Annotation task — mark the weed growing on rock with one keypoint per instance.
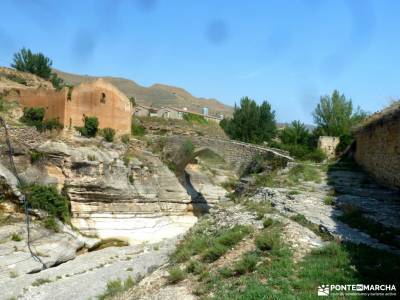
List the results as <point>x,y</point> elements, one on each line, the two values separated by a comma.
<point>329,200</point>
<point>302,220</point>
<point>175,275</point>
<point>116,287</point>
<point>304,172</point>
<point>16,237</point>
<point>40,281</point>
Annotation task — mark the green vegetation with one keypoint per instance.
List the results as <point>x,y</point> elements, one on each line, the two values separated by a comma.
<point>36,63</point>
<point>329,200</point>
<point>36,156</point>
<point>91,157</point>
<point>209,247</point>
<point>261,208</point>
<point>110,242</point>
<point>192,118</point>
<point>296,139</point>
<point>51,223</point>
<point>304,172</point>
<point>324,235</point>
<point>40,281</point>
<point>49,199</point>
<point>138,130</point>
<point>34,116</point>
<point>334,116</point>
<point>268,222</point>
<point>125,139</point>
<point>250,122</point>
<point>116,287</point>
<point>354,217</point>
<point>16,237</point>
<point>90,128</point>
<point>175,275</point>
<point>17,79</point>
<point>187,148</point>
<point>131,179</point>
<point>108,134</point>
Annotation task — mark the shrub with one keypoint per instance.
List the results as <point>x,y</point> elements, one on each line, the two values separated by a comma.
<point>108,134</point>
<point>36,156</point>
<point>187,148</point>
<point>51,223</point>
<point>246,264</point>
<point>16,237</point>
<point>267,240</point>
<point>125,138</point>
<point>214,252</point>
<point>17,79</point>
<point>115,287</point>
<point>268,222</point>
<point>329,200</point>
<point>33,116</point>
<point>48,199</point>
<point>138,130</point>
<point>90,128</point>
<point>91,157</point>
<point>316,155</point>
<point>175,275</point>
<point>51,124</point>
<point>192,118</point>
<point>131,179</point>
<point>195,267</point>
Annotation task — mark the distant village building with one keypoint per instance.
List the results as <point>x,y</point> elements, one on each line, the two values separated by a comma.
<point>169,112</point>
<point>328,145</point>
<point>145,111</point>
<point>377,147</point>
<point>98,99</point>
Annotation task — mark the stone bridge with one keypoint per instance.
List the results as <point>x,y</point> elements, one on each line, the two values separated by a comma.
<point>238,154</point>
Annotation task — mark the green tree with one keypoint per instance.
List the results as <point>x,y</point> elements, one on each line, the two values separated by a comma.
<point>35,63</point>
<point>250,122</point>
<point>334,115</point>
<point>296,134</point>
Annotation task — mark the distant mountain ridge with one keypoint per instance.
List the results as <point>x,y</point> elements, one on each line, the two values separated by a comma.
<point>157,95</point>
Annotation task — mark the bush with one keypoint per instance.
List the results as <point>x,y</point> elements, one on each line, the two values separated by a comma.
<point>267,222</point>
<point>16,237</point>
<point>188,148</point>
<point>246,264</point>
<point>175,275</point>
<point>195,267</point>
<point>116,287</point>
<point>90,128</point>
<point>192,118</point>
<point>33,116</point>
<point>267,240</point>
<point>48,199</point>
<point>304,172</point>
<point>17,79</point>
<point>51,223</point>
<point>108,134</point>
<point>125,138</point>
<point>50,125</point>
<point>36,156</point>
<point>316,155</point>
<point>214,252</point>
<point>138,130</point>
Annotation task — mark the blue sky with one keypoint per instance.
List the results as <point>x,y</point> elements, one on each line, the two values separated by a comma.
<point>288,52</point>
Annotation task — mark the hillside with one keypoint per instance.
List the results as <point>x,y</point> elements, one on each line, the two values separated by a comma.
<point>157,95</point>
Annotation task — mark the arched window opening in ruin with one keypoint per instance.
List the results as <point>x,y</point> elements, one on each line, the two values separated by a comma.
<point>103,98</point>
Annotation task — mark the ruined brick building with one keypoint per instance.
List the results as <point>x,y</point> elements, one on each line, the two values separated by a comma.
<point>98,99</point>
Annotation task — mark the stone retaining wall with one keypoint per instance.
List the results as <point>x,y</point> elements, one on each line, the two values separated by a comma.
<point>378,148</point>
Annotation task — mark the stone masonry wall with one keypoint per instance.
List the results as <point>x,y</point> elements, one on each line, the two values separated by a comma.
<point>237,154</point>
<point>378,151</point>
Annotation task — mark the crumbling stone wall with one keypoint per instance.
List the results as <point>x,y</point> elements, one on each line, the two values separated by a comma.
<point>328,145</point>
<point>378,149</point>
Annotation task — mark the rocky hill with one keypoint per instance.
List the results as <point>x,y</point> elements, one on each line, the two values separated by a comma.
<point>157,95</point>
